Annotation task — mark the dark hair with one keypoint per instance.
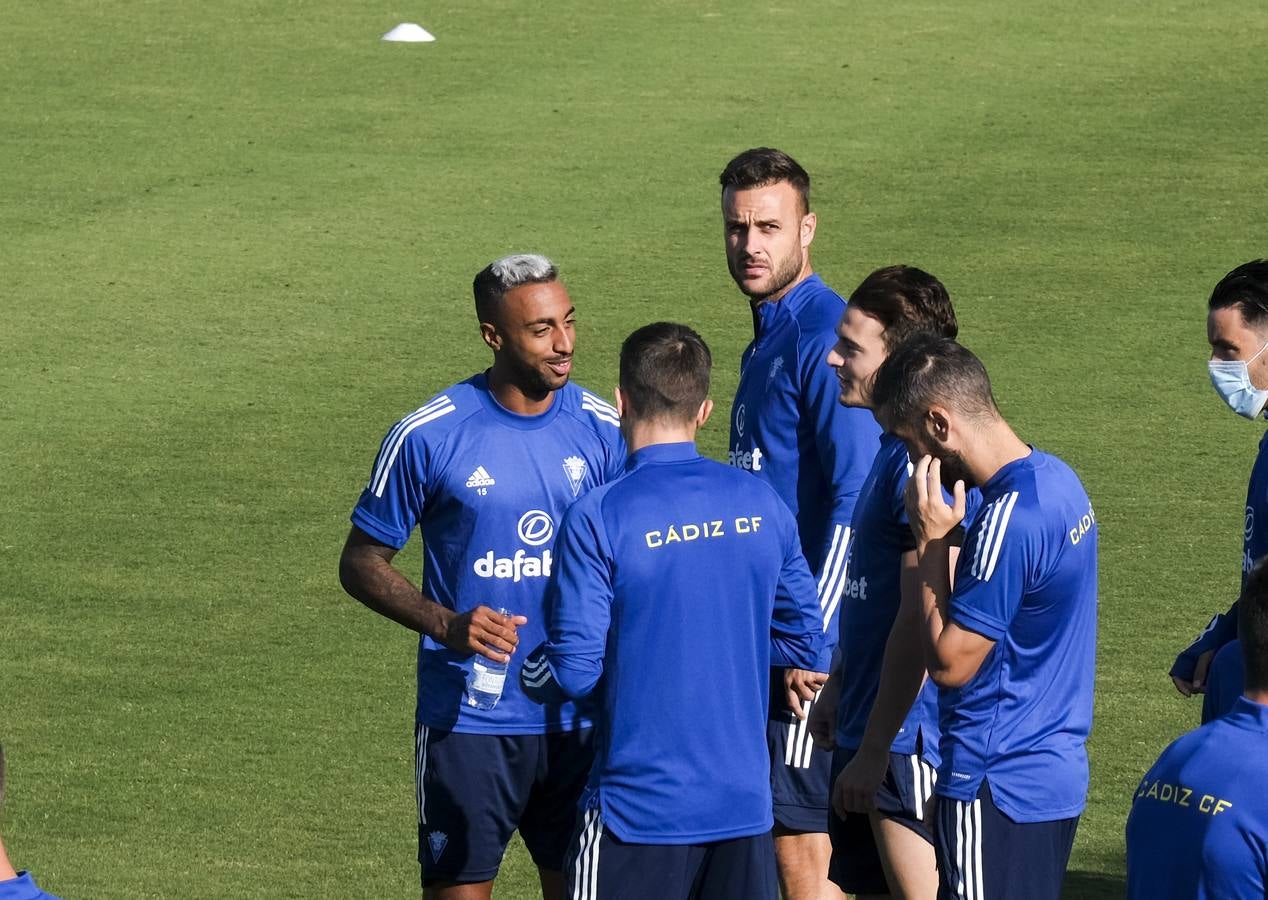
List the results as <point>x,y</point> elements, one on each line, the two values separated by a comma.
<point>905,300</point>
<point>1252,625</point>
<point>927,370</point>
<point>665,371</point>
<point>1246,287</point>
<point>499,277</point>
<point>762,166</point>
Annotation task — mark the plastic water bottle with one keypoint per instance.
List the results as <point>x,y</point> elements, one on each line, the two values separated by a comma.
<point>484,687</point>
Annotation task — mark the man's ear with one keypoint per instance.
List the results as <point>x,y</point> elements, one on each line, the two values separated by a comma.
<point>489,332</point>
<point>939,425</point>
<point>702,414</point>
<point>808,223</point>
<point>620,402</point>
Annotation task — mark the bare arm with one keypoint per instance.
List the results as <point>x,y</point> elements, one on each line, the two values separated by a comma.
<point>952,654</point>
<point>902,667</point>
<point>367,574</point>
<point>901,678</point>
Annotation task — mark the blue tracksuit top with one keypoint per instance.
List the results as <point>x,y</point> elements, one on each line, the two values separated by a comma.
<point>789,428</point>
<point>1223,626</point>
<point>676,587</point>
<point>1198,827</point>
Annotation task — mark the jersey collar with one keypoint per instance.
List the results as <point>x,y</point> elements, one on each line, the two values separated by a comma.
<point>788,304</point>
<point>1005,472</point>
<point>20,888</point>
<point>515,420</point>
<point>662,453</point>
<point>1248,714</point>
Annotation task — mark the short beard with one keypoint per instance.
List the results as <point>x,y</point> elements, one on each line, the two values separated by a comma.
<point>782,275</point>
<point>953,470</point>
<point>531,381</point>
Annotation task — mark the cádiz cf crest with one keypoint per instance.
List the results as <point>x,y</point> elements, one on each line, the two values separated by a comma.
<point>575,469</point>
<point>775,368</point>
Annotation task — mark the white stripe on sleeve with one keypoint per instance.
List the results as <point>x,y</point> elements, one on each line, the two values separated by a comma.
<point>387,456</point>
<point>999,540</point>
<point>837,587</point>
<point>837,547</point>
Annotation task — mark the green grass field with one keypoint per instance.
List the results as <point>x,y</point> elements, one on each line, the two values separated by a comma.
<point>236,243</point>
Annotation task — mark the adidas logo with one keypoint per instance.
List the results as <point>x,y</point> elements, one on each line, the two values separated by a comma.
<point>480,478</point>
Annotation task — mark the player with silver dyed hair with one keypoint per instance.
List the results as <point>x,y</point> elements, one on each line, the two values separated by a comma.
<point>499,277</point>
<point>485,470</point>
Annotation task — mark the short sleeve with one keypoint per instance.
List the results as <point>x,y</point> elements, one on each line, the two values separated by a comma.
<point>991,574</point>
<point>392,502</point>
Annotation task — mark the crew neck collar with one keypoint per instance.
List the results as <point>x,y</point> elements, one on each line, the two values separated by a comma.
<point>514,419</point>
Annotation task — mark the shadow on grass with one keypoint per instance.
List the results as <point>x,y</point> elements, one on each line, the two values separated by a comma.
<point>1093,886</point>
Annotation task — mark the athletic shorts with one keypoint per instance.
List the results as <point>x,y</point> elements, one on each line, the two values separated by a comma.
<point>905,796</point>
<point>984,855</point>
<point>800,778</point>
<point>474,790</point>
<point>601,866</point>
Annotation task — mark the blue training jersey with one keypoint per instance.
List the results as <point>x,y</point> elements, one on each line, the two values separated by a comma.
<point>487,489</point>
<point>789,428</point>
<point>678,585</point>
<point>881,535</point>
<point>1198,827</point>
<point>1026,579</point>
<point>22,888</point>
<point>1223,626</point>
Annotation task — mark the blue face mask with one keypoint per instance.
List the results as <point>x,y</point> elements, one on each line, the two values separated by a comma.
<point>1232,382</point>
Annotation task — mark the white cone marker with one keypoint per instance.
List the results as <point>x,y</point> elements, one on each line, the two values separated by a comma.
<point>410,33</point>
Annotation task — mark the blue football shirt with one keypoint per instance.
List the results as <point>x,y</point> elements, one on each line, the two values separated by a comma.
<point>22,888</point>
<point>677,586</point>
<point>788,428</point>
<point>487,489</point>
<point>1223,626</point>
<point>870,599</point>
<point>1026,579</point>
<point>1198,826</point>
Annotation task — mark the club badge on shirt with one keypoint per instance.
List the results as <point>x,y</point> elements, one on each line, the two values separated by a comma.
<point>575,469</point>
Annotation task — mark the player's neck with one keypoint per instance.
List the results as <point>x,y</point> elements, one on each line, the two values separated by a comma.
<point>515,398</point>
<point>1260,697</point>
<point>644,434</point>
<point>6,869</point>
<point>996,447</point>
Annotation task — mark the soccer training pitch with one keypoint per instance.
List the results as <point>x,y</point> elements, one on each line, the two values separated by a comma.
<point>236,243</point>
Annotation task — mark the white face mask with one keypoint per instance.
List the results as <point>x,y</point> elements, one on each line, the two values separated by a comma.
<point>1232,382</point>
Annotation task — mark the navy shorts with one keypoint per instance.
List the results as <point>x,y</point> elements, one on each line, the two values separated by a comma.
<point>474,790</point>
<point>800,773</point>
<point>984,855</point>
<point>905,796</point>
<point>601,866</point>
